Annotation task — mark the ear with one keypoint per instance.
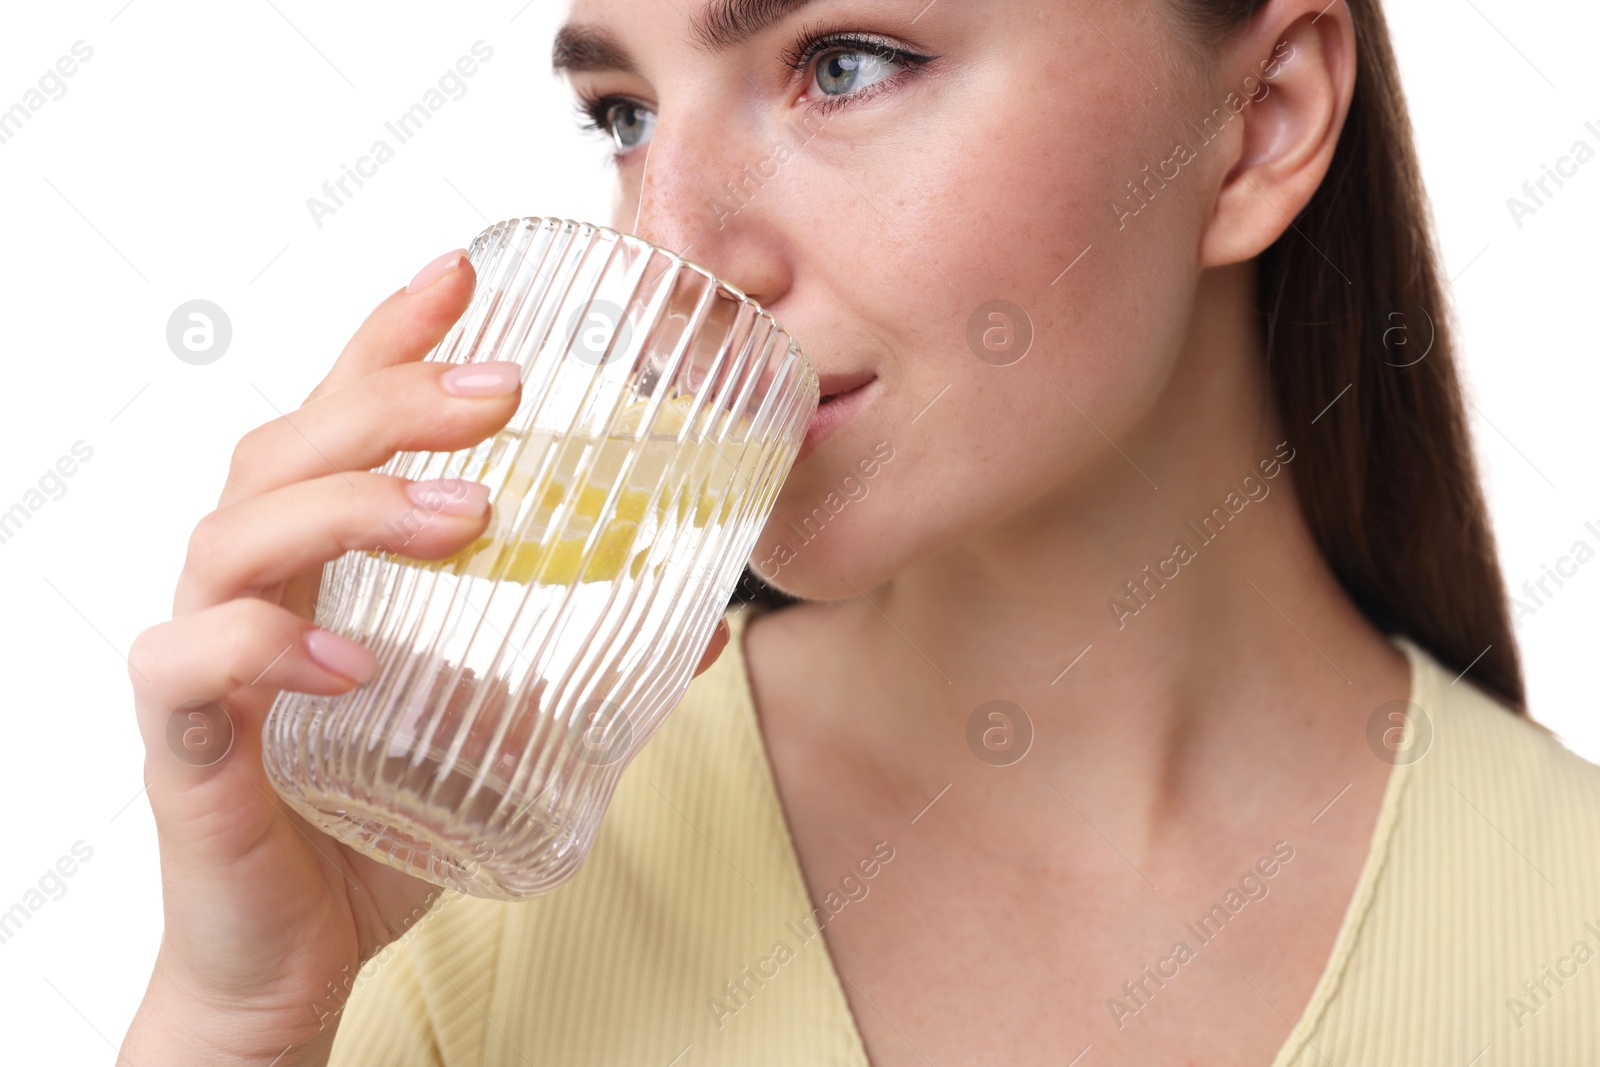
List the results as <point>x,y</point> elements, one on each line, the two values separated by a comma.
<point>1296,64</point>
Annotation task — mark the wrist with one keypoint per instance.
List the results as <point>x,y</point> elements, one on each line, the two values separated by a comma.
<point>175,1024</point>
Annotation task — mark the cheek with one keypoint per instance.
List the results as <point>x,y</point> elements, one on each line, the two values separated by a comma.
<point>625,198</point>
<point>996,207</point>
<point>993,217</point>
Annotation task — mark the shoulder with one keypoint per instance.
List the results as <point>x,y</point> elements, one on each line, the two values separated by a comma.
<point>1494,761</point>
<point>1482,924</point>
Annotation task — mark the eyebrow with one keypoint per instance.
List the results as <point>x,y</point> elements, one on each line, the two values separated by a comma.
<point>583,48</point>
<point>721,26</point>
<point>726,23</point>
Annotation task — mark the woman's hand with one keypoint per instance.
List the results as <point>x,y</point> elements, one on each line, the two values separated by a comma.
<point>268,919</point>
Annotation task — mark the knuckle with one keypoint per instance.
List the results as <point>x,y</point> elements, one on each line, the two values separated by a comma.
<point>349,509</point>
<point>247,451</point>
<point>384,398</point>
<point>143,654</point>
<point>243,629</point>
<point>203,547</point>
<point>238,631</point>
<point>375,409</point>
<point>385,510</point>
<point>410,409</point>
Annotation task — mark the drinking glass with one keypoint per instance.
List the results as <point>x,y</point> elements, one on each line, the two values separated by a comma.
<point>661,411</point>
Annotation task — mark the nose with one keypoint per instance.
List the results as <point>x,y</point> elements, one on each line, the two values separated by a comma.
<point>696,199</point>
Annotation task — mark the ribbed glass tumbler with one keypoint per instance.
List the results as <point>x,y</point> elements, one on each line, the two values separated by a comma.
<point>661,411</point>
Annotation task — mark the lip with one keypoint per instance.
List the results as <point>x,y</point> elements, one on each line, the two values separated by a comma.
<point>835,384</point>
<point>843,395</point>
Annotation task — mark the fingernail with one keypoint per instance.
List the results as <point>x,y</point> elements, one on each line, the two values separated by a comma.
<point>436,270</point>
<point>341,655</point>
<point>450,496</point>
<point>482,379</point>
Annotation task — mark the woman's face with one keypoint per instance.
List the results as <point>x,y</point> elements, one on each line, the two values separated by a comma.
<point>882,175</point>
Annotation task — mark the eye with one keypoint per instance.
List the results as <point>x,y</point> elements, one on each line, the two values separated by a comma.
<point>844,71</point>
<point>630,124</point>
<point>847,69</point>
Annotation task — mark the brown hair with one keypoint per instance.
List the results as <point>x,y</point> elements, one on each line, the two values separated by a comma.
<point>1388,482</point>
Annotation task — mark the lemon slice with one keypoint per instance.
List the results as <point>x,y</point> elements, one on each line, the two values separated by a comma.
<point>519,547</point>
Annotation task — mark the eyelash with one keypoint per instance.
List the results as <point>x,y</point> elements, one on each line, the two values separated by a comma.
<point>592,112</point>
<point>809,44</point>
<point>814,41</point>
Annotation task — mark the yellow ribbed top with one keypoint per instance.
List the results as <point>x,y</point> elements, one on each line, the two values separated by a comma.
<point>1472,937</point>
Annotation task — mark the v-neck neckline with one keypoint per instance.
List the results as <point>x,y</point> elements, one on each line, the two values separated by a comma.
<point>1422,694</point>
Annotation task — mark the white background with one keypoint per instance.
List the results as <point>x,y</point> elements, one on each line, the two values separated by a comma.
<point>177,166</point>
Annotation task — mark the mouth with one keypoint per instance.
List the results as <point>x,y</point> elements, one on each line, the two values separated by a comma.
<point>833,386</point>
<point>842,396</point>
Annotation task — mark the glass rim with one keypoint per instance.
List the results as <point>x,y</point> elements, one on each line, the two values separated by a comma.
<point>633,240</point>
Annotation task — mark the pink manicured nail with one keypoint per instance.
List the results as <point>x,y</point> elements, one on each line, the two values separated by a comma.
<point>436,270</point>
<point>450,496</point>
<point>482,379</point>
<point>340,655</point>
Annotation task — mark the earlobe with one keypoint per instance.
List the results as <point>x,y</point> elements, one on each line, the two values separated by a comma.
<point>1302,85</point>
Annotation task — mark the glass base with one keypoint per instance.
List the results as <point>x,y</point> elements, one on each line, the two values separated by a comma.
<point>417,842</point>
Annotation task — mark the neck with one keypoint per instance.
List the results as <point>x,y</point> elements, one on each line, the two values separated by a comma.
<point>1169,606</point>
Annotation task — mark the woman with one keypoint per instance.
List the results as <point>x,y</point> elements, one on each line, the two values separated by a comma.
<point>1127,677</point>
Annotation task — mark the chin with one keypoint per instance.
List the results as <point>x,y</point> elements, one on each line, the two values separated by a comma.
<point>807,586</point>
<point>820,536</point>
<point>810,561</point>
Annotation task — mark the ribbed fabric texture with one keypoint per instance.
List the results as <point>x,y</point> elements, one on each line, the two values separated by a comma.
<point>693,883</point>
<point>1483,874</point>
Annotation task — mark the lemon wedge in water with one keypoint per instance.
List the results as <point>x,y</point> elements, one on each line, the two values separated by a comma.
<point>520,548</point>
